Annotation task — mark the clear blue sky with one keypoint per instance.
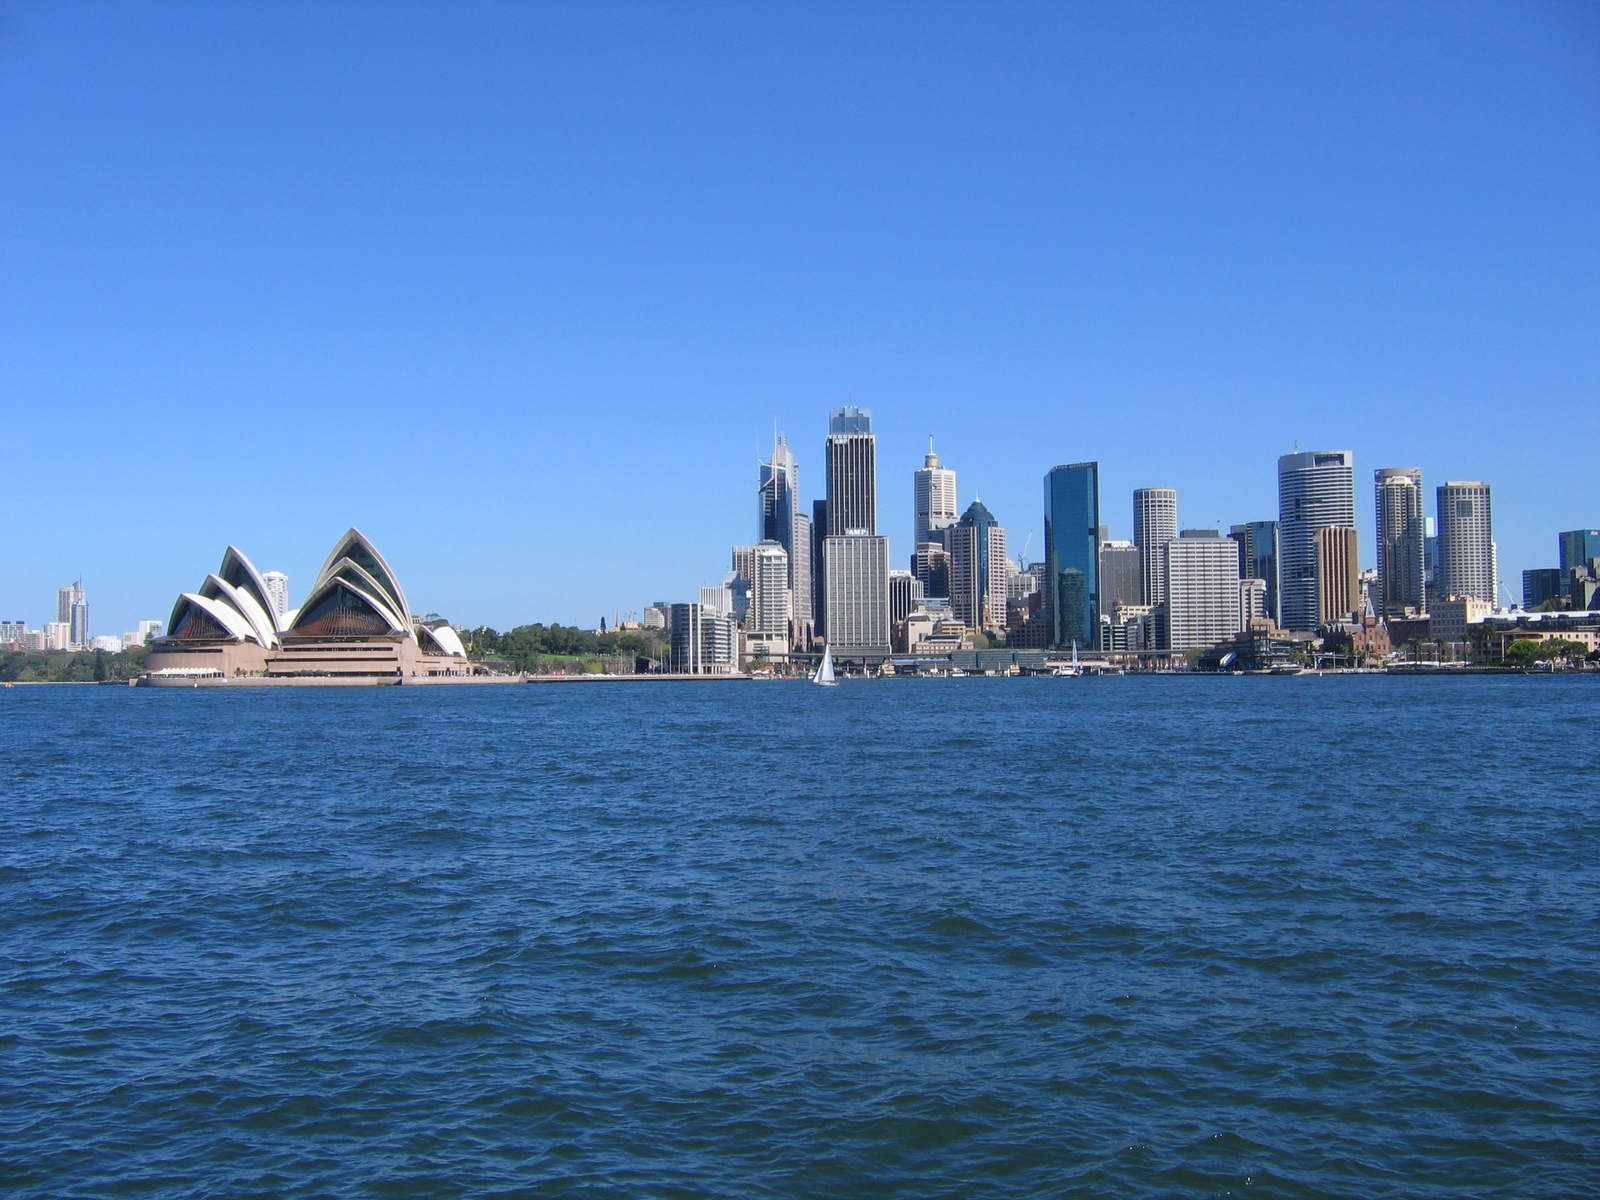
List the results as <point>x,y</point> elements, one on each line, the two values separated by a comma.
<point>520,290</point>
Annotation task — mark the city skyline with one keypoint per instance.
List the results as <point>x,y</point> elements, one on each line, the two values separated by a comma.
<point>552,273</point>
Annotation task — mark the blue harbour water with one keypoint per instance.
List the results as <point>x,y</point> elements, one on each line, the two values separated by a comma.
<point>966,938</point>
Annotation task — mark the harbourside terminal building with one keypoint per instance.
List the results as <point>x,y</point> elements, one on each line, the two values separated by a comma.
<point>354,625</point>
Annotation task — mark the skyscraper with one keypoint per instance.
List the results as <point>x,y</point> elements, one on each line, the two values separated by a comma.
<point>933,500</point>
<point>779,519</point>
<point>978,569</point>
<point>1402,534</point>
<point>1155,523</point>
<point>855,560</point>
<point>1201,589</point>
<point>819,594</point>
<point>1316,490</point>
<point>1072,554</point>
<point>1466,541</point>
<point>1258,559</point>
<point>856,571</point>
<point>277,585</point>
<point>931,565</point>
<point>1338,573</point>
<point>72,610</point>
<point>852,455</point>
<point>1578,546</point>
<point>1119,576</point>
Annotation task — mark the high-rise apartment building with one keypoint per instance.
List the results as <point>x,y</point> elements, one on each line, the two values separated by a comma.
<point>1466,541</point>
<point>1316,490</point>
<point>1338,574</point>
<point>1258,559</point>
<point>856,571</point>
<point>933,499</point>
<point>852,456</point>
<point>1201,586</point>
<point>1072,555</point>
<point>703,642</point>
<point>72,610</point>
<point>978,569</point>
<point>1155,523</point>
<point>13,631</point>
<point>769,589</point>
<point>277,585</point>
<point>1402,536</point>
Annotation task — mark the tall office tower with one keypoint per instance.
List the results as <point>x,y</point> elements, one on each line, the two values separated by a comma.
<point>1258,559</point>
<point>1315,490</point>
<point>931,565</point>
<point>1466,541</point>
<point>65,598</point>
<point>978,569</point>
<point>1201,589</point>
<point>934,499</point>
<point>852,473</point>
<point>779,519</point>
<point>1155,523</point>
<point>1119,576</point>
<point>819,593</point>
<point>1338,574</point>
<point>1402,542</point>
<point>856,571</point>
<point>1252,601</point>
<point>905,595</point>
<point>800,574</point>
<point>1539,586</point>
<point>277,585</point>
<point>1578,546</point>
<point>1072,554</point>
<point>717,600</point>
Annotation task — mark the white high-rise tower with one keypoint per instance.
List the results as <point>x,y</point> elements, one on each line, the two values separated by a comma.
<point>934,501</point>
<point>1316,490</point>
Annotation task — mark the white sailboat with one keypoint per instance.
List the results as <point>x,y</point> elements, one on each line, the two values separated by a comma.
<point>824,676</point>
<point>1074,671</point>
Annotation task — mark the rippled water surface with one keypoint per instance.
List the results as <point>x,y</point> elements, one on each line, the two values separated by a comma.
<point>987,938</point>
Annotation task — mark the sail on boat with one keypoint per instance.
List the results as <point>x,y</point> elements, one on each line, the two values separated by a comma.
<point>824,676</point>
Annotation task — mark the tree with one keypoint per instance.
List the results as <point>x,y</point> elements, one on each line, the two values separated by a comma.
<point>99,666</point>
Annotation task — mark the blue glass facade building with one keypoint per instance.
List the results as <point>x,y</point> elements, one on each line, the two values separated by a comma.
<point>1072,554</point>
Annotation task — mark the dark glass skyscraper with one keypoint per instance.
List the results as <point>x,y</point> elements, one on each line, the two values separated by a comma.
<point>1072,554</point>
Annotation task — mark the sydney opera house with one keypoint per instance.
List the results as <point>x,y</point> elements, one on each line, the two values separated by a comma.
<point>354,626</point>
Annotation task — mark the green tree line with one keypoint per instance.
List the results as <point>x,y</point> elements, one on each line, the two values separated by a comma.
<point>525,645</point>
<point>71,666</point>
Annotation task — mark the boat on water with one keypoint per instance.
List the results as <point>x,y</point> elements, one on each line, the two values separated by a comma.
<point>1074,670</point>
<point>824,676</point>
